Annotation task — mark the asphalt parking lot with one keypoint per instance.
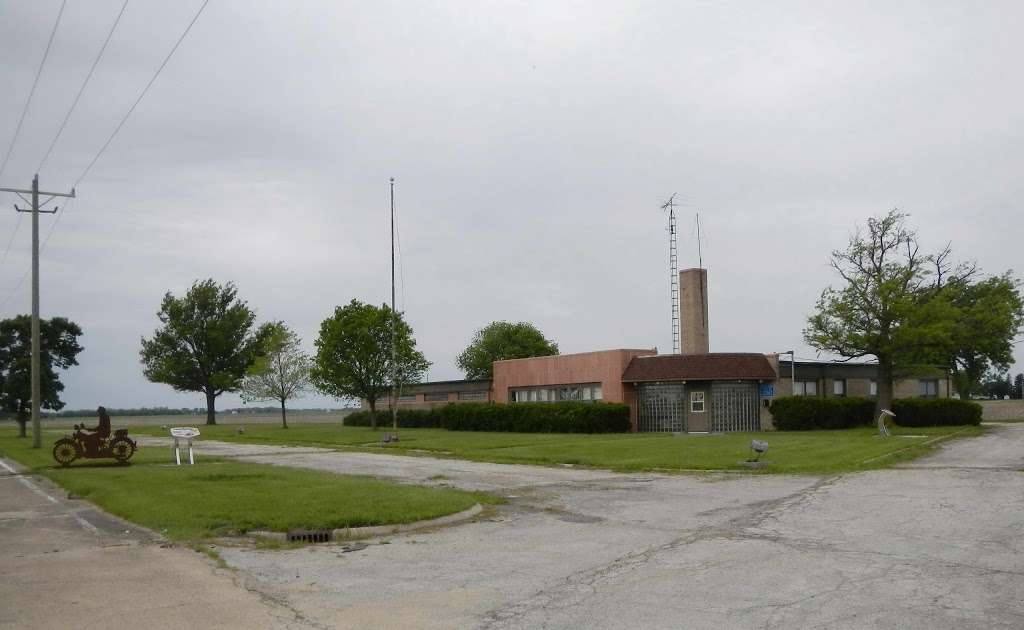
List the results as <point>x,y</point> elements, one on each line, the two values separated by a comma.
<point>934,544</point>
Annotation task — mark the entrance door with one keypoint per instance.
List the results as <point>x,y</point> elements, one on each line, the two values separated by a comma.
<point>698,408</point>
<point>734,407</point>
<point>660,407</point>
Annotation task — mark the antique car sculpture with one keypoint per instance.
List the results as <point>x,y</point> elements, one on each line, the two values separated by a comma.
<point>94,443</point>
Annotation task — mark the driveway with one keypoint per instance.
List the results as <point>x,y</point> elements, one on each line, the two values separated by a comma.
<point>934,544</point>
<point>65,564</point>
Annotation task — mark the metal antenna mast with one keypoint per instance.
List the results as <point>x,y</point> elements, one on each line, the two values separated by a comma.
<point>394,319</point>
<point>35,207</point>
<point>673,264</point>
<point>700,257</point>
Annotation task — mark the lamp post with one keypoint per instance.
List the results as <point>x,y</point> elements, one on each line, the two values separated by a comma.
<point>792,370</point>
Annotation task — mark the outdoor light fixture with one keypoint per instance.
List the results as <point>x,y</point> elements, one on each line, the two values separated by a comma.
<point>792,369</point>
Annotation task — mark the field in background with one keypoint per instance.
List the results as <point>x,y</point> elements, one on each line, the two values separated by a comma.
<point>1002,410</point>
<point>241,418</point>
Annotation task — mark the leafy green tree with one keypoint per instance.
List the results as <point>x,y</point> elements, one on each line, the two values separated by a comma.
<point>282,374</point>
<point>991,313</point>
<point>206,343</point>
<point>892,304</point>
<point>503,340</point>
<point>58,349</point>
<point>1018,386</point>
<point>995,384</point>
<point>353,354</point>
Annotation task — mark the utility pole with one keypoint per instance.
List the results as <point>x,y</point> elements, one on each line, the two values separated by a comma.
<point>394,320</point>
<point>36,208</point>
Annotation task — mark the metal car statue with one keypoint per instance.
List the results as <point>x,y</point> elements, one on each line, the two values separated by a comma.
<point>94,443</point>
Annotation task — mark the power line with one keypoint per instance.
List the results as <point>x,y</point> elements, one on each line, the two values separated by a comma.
<point>141,95</point>
<point>10,241</point>
<point>120,124</point>
<point>42,248</point>
<point>32,92</point>
<point>81,89</point>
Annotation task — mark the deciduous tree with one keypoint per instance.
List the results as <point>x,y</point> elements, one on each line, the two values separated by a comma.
<point>503,340</point>
<point>207,342</point>
<point>891,304</point>
<point>58,349</point>
<point>353,353</point>
<point>990,313</point>
<point>281,374</point>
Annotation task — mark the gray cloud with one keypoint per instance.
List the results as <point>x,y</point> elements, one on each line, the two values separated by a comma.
<point>532,143</point>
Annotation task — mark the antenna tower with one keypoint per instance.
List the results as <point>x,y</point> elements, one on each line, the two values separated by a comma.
<point>673,265</point>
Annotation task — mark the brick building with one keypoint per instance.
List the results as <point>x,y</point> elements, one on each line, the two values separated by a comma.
<point>696,391</point>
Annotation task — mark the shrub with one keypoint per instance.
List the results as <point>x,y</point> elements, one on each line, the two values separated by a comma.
<point>407,419</point>
<point>562,417</point>
<point>935,412</point>
<point>807,413</point>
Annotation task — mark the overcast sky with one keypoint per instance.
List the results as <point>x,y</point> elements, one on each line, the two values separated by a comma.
<point>532,144</point>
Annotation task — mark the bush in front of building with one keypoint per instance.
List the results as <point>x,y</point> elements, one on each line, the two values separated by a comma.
<point>808,413</point>
<point>935,412</point>
<point>560,417</point>
<point>407,419</point>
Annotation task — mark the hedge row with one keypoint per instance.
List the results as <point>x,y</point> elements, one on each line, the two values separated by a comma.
<point>562,417</point>
<point>806,413</point>
<point>935,412</point>
<point>407,418</point>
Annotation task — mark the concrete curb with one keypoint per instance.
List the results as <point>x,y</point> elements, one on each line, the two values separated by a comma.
<point>382,530</point>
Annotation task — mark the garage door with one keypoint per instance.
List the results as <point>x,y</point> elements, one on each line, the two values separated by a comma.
<point>661,407</point>
<point>734,407</point>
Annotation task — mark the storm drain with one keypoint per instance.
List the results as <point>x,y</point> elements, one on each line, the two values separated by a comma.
<point>310,535</point>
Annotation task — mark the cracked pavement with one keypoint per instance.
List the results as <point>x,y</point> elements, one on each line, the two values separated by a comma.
<point>936,543</point>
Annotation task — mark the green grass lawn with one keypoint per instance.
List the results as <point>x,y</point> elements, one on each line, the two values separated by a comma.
<point>223,497</point>
<point>812,452</point>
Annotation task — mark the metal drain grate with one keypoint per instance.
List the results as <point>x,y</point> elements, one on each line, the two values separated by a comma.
<point>310,535</point>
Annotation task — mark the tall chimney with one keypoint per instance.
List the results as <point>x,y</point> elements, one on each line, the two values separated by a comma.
<point>693,310</point>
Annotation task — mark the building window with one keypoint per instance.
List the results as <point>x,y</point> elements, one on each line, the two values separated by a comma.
<point>839,387</point>
<point>928,388</point>
<point>477,395</point>
<point>408,398</point>
<point>805,388</point>
<point>697,402</point>
<point>588,392</point>
<point>436,397</point>
<point>874,388</point>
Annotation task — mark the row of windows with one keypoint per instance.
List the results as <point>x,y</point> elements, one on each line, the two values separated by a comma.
<point>443,397</point>
<point>927,388</point>
<point>584,392</point>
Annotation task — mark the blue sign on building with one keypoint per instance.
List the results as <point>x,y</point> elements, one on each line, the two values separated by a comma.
<point>767,390</point>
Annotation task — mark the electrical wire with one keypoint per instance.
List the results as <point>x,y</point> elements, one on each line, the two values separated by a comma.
<point>42,246</point>
<point>32,92</point>
<point>10,241</point>
<point>81,89</point>
<point>141,95</point>
<point>152,80</point>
